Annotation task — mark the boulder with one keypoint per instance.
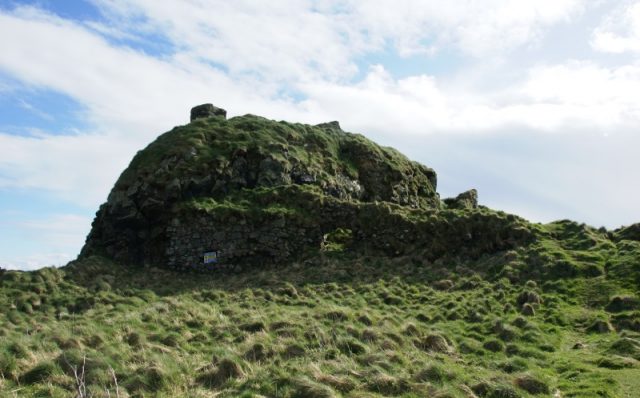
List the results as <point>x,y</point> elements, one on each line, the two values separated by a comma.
<point>333,125</point>
<point>207,110</point>
<point>272,173</point>
<point>466,200</point>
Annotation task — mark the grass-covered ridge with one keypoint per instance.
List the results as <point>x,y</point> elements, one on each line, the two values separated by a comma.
<point>560,317</point>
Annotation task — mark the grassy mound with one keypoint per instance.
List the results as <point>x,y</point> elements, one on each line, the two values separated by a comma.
<point>338,325</point>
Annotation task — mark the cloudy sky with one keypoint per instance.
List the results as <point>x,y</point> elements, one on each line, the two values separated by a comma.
<point>534,103</point>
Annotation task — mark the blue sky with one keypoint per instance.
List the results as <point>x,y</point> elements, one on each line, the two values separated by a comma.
<point>534,103</point>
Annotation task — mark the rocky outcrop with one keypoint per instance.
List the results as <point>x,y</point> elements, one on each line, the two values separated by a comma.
<point>207,110</point>
<point>252,190</point>
<point>466,200</point>
<point>333,125</point>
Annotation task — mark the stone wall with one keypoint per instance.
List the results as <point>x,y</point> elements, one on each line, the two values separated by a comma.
<point>243,240</point>
<point>236,244</point>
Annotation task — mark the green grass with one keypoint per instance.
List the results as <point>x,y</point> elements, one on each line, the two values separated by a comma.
<point>339,324</point>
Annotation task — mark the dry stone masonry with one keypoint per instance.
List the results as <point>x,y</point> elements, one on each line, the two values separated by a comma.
<point>225,193</point>
<point>207,110</point>
<point>239,239</point>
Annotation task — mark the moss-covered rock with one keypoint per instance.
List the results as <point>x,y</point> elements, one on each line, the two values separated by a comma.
<point>466,200</point>
<point>220,192</point>
<point>213,157</point>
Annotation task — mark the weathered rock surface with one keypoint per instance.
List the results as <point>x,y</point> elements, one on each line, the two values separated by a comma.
<point>252,190</point>
<point>466,200</point>
<point>207,110</point>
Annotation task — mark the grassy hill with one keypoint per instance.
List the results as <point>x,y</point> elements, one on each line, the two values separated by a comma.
<point>337,325</point>
<point>343,275</point>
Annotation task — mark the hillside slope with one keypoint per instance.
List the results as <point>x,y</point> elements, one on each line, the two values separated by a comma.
<point>514,324</point>
<point>320,265</point>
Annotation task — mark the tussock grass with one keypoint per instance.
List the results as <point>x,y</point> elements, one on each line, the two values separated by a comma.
<point>396,327</point>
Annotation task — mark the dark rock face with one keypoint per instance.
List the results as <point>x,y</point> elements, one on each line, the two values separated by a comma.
<point>333,125</point>
<point>466,200</point>
<point>207,110</point>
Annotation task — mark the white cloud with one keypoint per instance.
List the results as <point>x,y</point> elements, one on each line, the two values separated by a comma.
<point>476,28</point>
<point>555,98</point>
<point>105,79</point>
<point>281,40</point>
<point>619,31</point>
<point>584,94</point>
<point>59,229</point>
<point>37,260</point>
<point>293,39</point>
<point>77,168</point>
<point>296,60</point>
<point>51,241</point>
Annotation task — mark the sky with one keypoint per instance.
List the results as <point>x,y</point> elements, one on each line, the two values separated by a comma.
<point>535,103</point>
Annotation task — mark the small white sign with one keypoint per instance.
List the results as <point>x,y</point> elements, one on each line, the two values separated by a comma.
<point>211,257</point>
